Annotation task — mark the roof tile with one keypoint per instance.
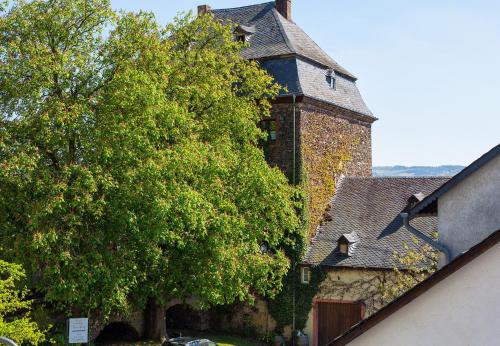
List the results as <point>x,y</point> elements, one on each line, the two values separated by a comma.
<point>371,206</point>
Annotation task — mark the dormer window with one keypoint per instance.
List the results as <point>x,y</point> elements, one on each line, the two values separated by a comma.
<point>331,79</point>
<point>344,248</point>
<point>242,33</point>
<point>414,200</point>
<point>347,243</point>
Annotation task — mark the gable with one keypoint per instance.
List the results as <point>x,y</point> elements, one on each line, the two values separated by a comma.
<point>456,305</point>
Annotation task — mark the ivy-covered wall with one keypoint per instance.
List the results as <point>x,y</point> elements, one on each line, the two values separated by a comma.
<point>333,141</point>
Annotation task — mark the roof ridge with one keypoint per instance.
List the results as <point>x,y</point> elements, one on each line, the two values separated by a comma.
<point>335,66</point>
<point>288,43</point>
<point>241,7</point>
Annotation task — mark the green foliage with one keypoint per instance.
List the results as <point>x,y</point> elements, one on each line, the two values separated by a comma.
<point>282,308</point>
<point>129,165</point>
<point>15,318</point>
<point>413,266</point>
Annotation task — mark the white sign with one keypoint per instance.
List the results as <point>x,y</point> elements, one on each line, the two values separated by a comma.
<point>78,330</point>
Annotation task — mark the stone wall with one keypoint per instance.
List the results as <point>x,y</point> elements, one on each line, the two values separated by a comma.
<point>244,319</point>
<point>333,141</point>
<point>353,285</point>
<point>279,153</point>
<point>325,127</point>
<point>339,285</point>
<point>135,320</point>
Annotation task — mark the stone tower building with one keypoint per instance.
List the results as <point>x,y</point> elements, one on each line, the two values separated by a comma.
<point>320,126</point>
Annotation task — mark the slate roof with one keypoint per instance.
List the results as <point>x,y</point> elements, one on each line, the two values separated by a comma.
<point>275,35</point>
<point>293,58</point>
<point>370,206</point>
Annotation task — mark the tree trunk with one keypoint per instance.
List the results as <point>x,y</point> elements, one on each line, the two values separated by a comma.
<point>155,327</point>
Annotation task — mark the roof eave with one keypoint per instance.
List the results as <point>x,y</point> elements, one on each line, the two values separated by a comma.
<point>360,115</point>
<point>430,202</point>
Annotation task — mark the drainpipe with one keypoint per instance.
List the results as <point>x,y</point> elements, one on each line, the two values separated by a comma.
<point>294,144</point>
<point>294,181</point>
<point>440,247</point>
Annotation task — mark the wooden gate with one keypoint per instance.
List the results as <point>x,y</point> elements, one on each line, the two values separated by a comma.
<point>335,318</point>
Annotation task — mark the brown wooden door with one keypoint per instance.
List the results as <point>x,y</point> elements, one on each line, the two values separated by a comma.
<point>336,318</point>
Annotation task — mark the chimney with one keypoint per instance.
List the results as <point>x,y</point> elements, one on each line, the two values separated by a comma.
<point>284,7</point>
<point>203,9</point>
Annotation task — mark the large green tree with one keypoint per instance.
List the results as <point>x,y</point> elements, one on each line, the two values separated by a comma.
<point>15,317</point>
<point>129,159</point>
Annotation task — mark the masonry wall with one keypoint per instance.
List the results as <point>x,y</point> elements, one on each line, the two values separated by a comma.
<point>333,141</point>
<point>339,285</point>
<point>279,153</point>
<point>135,320</point>
<point>328,130</point>
<point>350,285</point>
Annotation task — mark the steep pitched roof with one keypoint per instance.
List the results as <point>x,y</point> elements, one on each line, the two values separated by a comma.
<point>293,58</point>
<point>370,206</point>
<point>276,36</point>
<point>429,204</point>
<point>452,267</point>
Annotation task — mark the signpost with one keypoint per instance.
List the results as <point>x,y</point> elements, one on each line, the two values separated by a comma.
<point>78,330</point>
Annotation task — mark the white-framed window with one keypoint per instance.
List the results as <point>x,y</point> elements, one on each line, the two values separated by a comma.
<point>331,79</point>
<point>305,275</point>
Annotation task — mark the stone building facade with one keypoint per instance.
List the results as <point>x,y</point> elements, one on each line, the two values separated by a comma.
<point>320,126</point>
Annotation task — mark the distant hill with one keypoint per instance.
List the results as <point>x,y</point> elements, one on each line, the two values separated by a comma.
<point>415,171</point>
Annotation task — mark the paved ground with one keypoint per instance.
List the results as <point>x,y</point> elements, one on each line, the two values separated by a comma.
<point>221,340</point>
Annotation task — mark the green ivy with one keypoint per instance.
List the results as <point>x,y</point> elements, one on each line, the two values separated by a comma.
<point>282,307</point>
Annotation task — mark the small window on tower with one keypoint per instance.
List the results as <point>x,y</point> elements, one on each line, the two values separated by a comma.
<point>331,79</point>
<point>269,126</point>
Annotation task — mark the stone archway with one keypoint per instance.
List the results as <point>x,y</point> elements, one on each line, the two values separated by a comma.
<point>118,331</point>
<point>182,317</point>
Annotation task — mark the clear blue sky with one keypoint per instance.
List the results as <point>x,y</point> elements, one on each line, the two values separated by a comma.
<point>428,69</point>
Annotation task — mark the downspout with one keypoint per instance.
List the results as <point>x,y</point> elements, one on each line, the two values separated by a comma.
<point>440,247</point>
<point>294,153</point>
<point>294,143</point>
